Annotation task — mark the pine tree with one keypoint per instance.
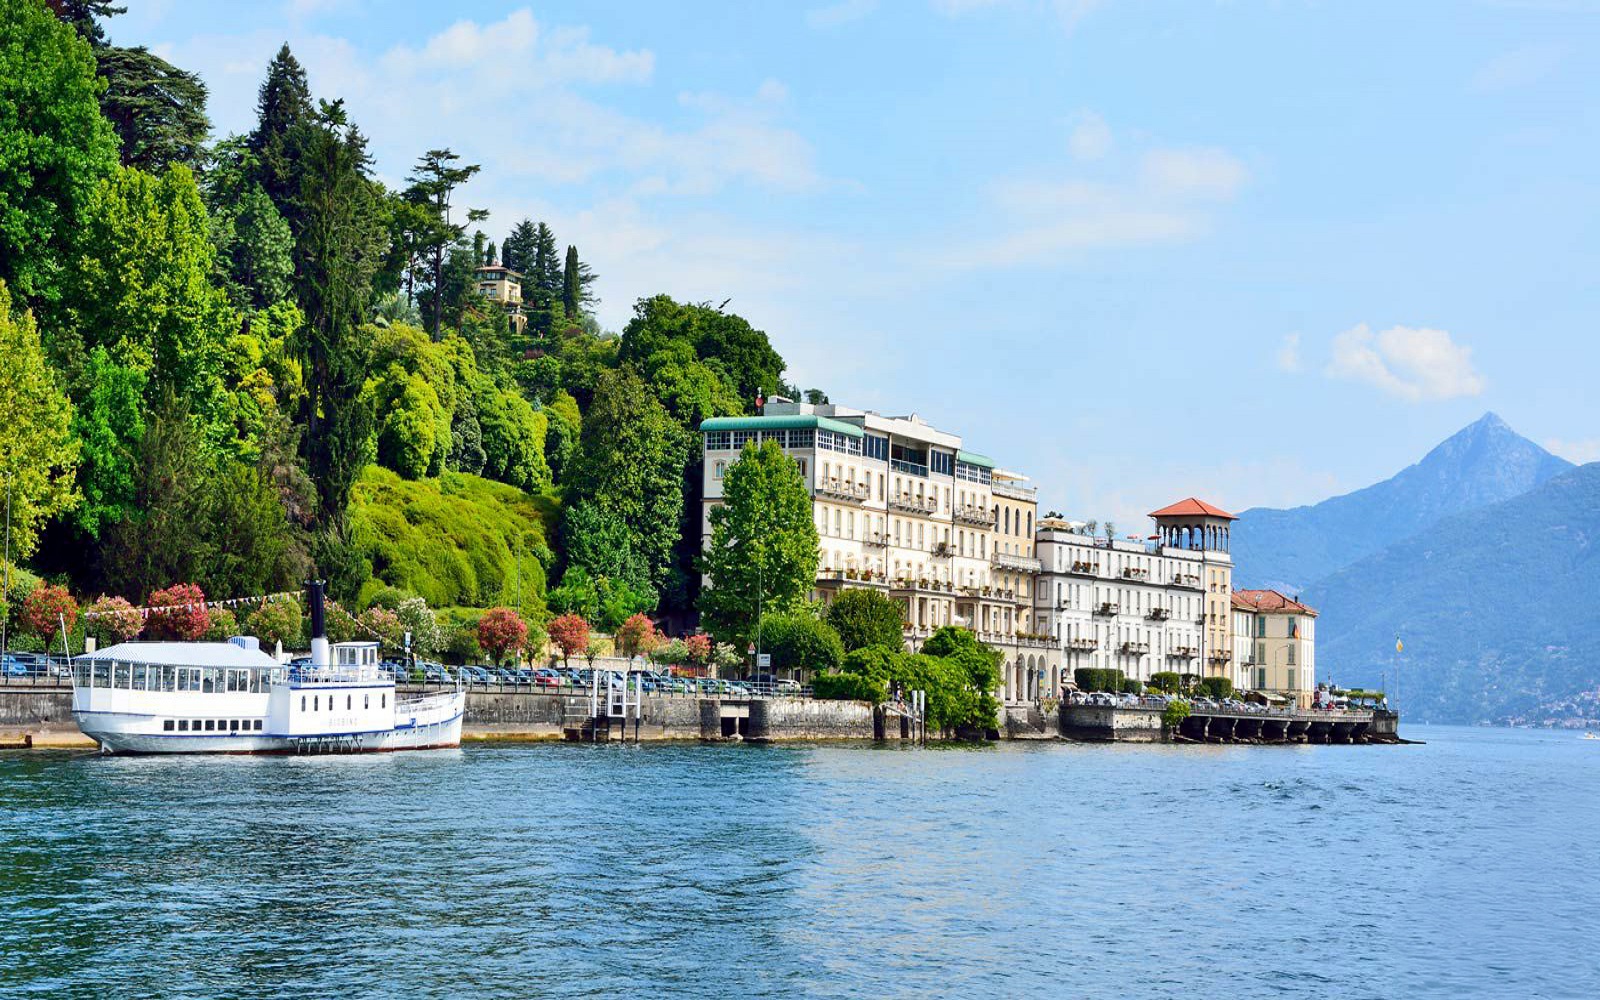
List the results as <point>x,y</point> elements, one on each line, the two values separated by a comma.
<point>433,182</point>
<point>576,279</point>
<point>516,252</point>
<point>282,104</point>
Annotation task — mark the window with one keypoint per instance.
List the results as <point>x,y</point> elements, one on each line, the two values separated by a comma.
<point>717,441</point>
<point>167,726</point>
<point>316,703</point>
<point>740,438</point>
<point>1291,679</point>
<point>875,447</point>
<point>1261,627</point>
<point>211,724</point>
<point>383,700</point>
<point>349,700</point>
<point>942,462</point>
<point>1290,662</point>
<point>366,701</point>
<point>717,469</point>
<point>233,724</point>
<point>258,725</point>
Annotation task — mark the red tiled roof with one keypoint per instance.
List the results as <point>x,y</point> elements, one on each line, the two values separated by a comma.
<point>1269,601</point>
<point>1191,507</point>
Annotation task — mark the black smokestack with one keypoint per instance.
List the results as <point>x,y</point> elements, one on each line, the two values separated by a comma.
<point>315,601</point>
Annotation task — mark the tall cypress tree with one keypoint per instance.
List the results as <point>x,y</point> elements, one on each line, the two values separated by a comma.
<point>576,278</point>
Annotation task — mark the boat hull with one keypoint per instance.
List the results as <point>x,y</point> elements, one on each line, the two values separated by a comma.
<point>130,734</point>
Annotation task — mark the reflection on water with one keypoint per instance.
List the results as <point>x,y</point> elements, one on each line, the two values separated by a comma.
<point>1464,867</point>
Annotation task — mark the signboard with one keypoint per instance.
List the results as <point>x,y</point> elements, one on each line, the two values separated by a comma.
<point>764,660</point>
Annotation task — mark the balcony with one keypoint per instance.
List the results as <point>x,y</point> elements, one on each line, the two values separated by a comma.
<point>942,550</point>
<point>1084,569</point>
<point>1182,653</point>
<point>876,540</point>
<point>1188,580</point>
<point>1022,564</point>
<point>1107,609</point>
<point>1217,657</point>
<point>913,505</point>
<point>989,593</point>
<point>1035,639</point>
<point>1027,494</point>
<point>834,489</point>
<point>976,516</point>
<point>1156,615</point>
<point>908,467</point>
<point>1134,648</point>
<point>1083,645</point>
<point>845,577</point>
<point>1135,574</point>
<point>906,585</point>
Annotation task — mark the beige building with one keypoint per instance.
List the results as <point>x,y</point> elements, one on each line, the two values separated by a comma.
<point>1275,641</point>
<point>1192,525</point>
<point>504,286</point>
<point>901,507</point>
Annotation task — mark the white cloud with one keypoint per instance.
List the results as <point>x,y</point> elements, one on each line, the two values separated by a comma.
<point>1199,172</point>
<point>1410,363</point>
<point>836,14</point>
<point>1582,451</point>
<point>1090,138</point>
<point>1289,353</point>
<point>1160,195</point>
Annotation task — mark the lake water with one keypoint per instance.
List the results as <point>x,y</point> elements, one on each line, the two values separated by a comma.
<point>1466,867</point>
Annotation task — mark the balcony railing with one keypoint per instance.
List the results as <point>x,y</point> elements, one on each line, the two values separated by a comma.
<point>925,586</point>
<point>1022,564</point>
<point>1182,653</point>
<point>1106,609</point>
<point>1025,493</point>
<point>899,465</point>
<point>1186,580</point>
<point>1134,648</point>
<point>942,550</point>
<point>1216,657</point>
<point>1157,615</point>
<point>1085,569</point>
<point>876,540</point>
<point>1136,574</point>
<point>850,492</point>
<point>976,516</point>
<point>1083,645</point>
<point>915,505</point>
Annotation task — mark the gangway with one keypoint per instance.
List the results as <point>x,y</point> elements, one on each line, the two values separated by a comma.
<point>611,701</point>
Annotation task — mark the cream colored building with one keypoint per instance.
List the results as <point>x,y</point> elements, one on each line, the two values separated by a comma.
<point>901,507</point>
<point>1192,525</point>
<point>504,286</point>
<point>1132,604</point>
<point>1275,645</point>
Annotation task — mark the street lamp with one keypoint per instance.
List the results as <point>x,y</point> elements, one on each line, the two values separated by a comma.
<point>5,608</point>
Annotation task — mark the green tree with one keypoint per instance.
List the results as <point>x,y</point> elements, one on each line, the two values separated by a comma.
<point>433,182</point>
<point>340,247</point>
<point>108,424</point>
<point>799,640</point>
<point>157,109</point>
<point>144,291</point>
<point>516,251</point>
<point>576,280</point>
<point>630,463</point>
<point>283,110</point>
<point>763,547</point>
<point>598,540</point>
<point>38,454</point>
<point>724,342</point>
<point>864,617</point>
<point>54,146</point>
<point>255,246</point>
<point>565,426</point>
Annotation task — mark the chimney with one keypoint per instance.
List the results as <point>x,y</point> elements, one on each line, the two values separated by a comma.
<point>319,631</point>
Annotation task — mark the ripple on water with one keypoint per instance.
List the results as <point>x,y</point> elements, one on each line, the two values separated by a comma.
<point>808,871</point>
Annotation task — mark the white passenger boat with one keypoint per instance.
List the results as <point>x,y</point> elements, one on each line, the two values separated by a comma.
<point>230,697</point>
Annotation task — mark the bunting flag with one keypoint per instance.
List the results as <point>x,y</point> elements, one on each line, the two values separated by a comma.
<point>1399,647</point>
<point>230,602</point>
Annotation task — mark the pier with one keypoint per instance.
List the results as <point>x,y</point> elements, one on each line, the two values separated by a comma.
<point>1143,724</point>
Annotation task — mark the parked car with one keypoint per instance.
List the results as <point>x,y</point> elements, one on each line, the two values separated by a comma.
<point>547,677</point>
<point>12,667</point>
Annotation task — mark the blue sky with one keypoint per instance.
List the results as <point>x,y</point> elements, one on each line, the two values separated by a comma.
<point>1258,252</point>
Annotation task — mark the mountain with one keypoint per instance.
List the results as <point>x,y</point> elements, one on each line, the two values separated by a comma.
<point>1496,608</point>
<point>1484,463</point>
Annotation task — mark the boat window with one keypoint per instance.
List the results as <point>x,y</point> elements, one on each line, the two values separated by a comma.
<point>302,703</point>
<point>167,726</point>
<point>183,725</point>
<point>383,700</point>
<point>233,724</point>
<point>258,725</point>
<point>210,725</point>
<point>316,702</point>
<point>366,701</point>
<point>349,702</point>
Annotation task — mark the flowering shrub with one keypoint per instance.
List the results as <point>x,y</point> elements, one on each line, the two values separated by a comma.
<point>44,609</point>
<point>111,620</point>
<point>184,616</point>
<point>570,633</point>
<point>501,632</point>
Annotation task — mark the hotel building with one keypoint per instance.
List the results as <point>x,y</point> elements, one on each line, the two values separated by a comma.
<point>503,286</point>
<point>903,508</point>
<point>1274,645</point>
<point>1142,606</point>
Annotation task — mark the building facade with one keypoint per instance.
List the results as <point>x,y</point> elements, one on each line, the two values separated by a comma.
<point>901,507</point>
<point>503,286</point>
<point>1275,645</point>
<point>1194,526</point>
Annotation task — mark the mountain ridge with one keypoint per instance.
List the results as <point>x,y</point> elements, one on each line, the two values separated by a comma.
<point>1484,463</point>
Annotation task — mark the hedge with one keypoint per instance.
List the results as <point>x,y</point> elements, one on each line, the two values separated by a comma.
<point>1216,687</point>
<point>848,687</point>
<point>1097,679</point>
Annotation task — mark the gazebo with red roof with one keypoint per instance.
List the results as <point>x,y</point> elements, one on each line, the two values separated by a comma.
<point>1193,524</point>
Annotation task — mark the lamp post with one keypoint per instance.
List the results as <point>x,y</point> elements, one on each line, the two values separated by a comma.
<point>5,608</point>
